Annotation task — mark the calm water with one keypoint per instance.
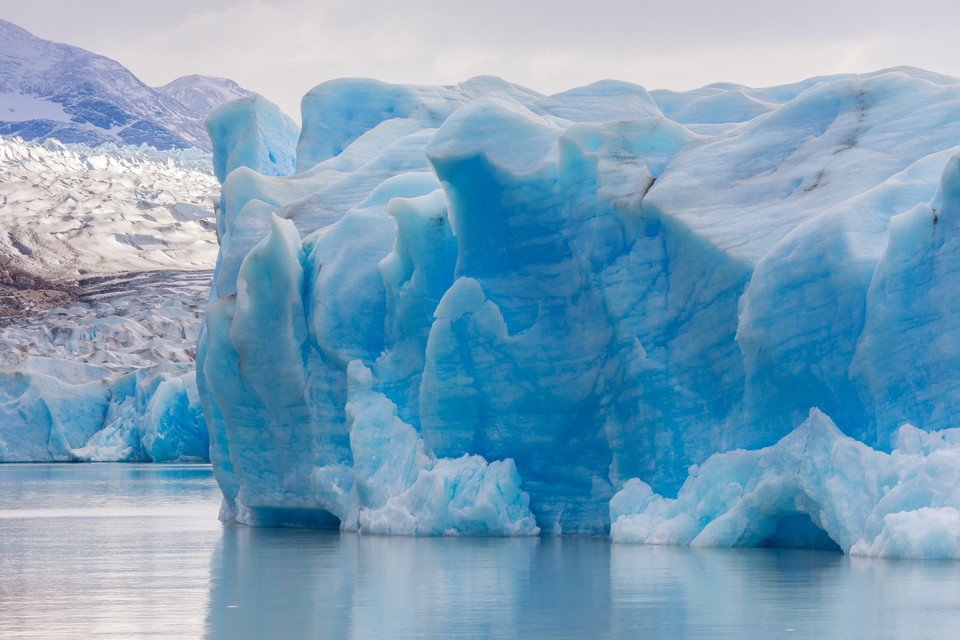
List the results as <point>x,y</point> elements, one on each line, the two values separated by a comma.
<point>92,551</point>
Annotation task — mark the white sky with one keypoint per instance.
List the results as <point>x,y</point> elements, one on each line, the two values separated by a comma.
<point>281,48</point>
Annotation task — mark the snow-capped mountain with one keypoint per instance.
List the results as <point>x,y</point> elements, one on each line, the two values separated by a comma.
<point>53,90</point>
<point>202,93</point>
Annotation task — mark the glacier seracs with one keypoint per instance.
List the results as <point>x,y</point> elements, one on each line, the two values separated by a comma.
<point>567,309</point>
<point>109,376</point>
<point>816,487</point>
<point>107,380</point>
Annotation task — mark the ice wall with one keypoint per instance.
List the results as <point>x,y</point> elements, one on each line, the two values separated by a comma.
<point>50,413</point>
<point>579,295</point>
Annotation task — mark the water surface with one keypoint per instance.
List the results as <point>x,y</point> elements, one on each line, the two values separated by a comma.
<point>113,550</point>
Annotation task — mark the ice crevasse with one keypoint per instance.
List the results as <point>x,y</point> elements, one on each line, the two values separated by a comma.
<point>109,378</point>
<point>719,317</point>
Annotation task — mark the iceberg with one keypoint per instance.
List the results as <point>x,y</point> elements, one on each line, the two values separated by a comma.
<point>478,310</point>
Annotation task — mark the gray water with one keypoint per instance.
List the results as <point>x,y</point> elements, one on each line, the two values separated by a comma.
<point>132,551</point>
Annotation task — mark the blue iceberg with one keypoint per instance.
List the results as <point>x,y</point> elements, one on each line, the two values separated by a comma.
<point>479,310</point>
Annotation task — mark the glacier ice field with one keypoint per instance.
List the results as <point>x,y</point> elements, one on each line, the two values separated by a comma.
<point>108,380</point>
<point>109,377</point>
<point>723,317</point>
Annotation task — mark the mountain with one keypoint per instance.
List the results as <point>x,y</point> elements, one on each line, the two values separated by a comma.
<point>202,93</point>
<point>53,90</point>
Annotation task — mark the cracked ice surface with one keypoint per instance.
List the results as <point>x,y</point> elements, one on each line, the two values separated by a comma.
<point>131,233</point>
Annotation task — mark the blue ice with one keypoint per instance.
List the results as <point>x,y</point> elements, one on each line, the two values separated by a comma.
<point>479,310</point>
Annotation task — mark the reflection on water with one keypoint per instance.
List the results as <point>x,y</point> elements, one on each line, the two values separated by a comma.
<point>346,586</point>
<point>324,585</point>
<point>94,551</point>
<point>74,562</point>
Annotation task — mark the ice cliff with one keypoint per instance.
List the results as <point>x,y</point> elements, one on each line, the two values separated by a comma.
<point>481,310</point>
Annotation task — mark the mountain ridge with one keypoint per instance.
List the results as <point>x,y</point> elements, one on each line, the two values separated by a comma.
<point>54,90</point>
<point>201,93</point>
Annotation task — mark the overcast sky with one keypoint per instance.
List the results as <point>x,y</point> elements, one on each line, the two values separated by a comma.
<point>281,48</point>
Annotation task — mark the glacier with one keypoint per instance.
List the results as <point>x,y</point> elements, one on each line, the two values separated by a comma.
<point>107,379</point>
<point>106,257</point>
<point>717,317</point>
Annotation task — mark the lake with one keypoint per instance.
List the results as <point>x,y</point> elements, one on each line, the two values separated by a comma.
<point>136,550</point>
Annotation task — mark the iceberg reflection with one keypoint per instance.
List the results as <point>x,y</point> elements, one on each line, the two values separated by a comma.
<point>284,583</point>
